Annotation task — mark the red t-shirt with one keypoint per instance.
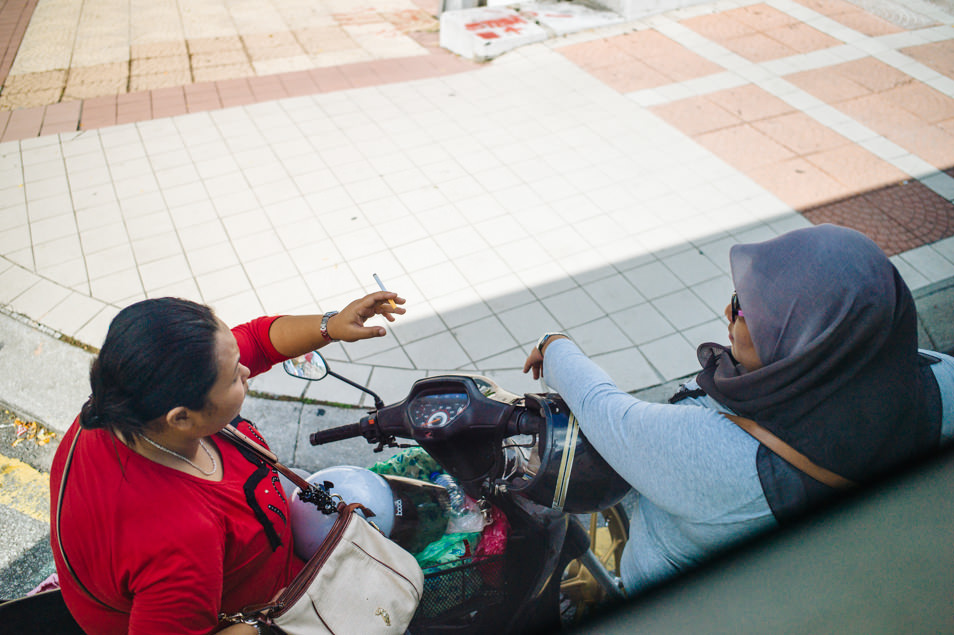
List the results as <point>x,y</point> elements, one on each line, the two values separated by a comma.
<point>171,550</point>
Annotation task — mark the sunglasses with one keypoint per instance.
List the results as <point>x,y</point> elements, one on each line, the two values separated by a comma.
<point>736,308</point>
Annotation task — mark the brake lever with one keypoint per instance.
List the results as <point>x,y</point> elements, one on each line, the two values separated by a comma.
<point>390,442</point>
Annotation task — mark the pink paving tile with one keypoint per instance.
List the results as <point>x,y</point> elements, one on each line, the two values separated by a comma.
<point>360,75</point>
<point>234,92</point>
<point>856,168</point>
<point>937,55</point>
<point>298,83</point>
<point>98,112</point>
<point>168,102</point>
<point>800,133</point>
<point>761,17</point>
<point>634,75</point>
<point>661,54</point>
<point>15,16</point>
<point>718,26</point>
<point>681,64</point>
<point>329,79</point>
<point>802,38</point>
<point>402,69</point>
<point>168,108</point>
<point>931,143</point>
<point>58,127</point>
<point>267,87</point>
<point>758,47</point>
<point>598,54</point>
<point>744,147</point>
<point>696,115</point>
<point>798,183</point>
<point>23,123</point>
<point>66,111</point>
<point>864,22</point>
<point>873,74</point>
<point>4,118</point>
<point>830,8</point>
<point>880,114</point>
<point>750,103</point>
<point>828,86</point>
<point>923,101</point>
<point>200,97</point>
<point>131,107</point>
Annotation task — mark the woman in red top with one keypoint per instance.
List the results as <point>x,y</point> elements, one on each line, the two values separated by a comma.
<point>165,524</point>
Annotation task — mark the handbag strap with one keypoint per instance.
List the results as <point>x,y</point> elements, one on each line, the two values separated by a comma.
<point>310,492</point>
<point>789,454</point>
<point>59,534</point>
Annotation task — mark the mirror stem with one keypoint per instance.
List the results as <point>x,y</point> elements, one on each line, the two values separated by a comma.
<point>378,404</point>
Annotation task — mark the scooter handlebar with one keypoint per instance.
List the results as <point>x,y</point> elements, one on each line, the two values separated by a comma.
<point>524,422</point>
<point>339,433</point>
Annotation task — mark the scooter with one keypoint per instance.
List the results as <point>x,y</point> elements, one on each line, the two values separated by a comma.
<point>526,457</point>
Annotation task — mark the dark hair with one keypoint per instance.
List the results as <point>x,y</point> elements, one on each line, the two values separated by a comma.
<point>158,354</point>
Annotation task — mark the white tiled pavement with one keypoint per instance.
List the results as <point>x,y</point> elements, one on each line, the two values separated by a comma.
<point>521,197</point>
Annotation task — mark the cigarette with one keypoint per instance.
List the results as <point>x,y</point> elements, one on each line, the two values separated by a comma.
<point>381,285</point>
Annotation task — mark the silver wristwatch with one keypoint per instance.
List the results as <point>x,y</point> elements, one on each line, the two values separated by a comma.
<point>546,336</point>
<point>324,326</point>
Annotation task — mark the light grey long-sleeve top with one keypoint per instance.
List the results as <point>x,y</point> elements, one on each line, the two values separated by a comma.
<point>694,471</point>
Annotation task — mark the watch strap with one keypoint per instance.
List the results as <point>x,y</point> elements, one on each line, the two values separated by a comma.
<point>324,326</point>
<point>545,337</point>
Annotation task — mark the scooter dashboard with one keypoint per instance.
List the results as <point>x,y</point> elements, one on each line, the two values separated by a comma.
<point>436,410</point>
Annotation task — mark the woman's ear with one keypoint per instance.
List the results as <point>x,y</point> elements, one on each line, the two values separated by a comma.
<point>180,418</point>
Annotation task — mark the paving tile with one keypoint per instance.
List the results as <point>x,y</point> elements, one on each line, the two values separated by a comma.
<point>39,299</point>
<point>31,99</point>
<point>460,305</point>
<point>800,133</point>
<point>29,82</point>
<point>744,147</point>
<point>440,351</point>
<point>922,101</point>
<point>750,103</point>
<point>72,313</point>
<point>483,338</point>
<point>628,369</point>
<point>937,55</point>
<point>873,74</point>
<point>672,356</point>
<point>119,286</point>
<point>799,183</point>
<point>818,82</point>
<point>758,47</point>
<point>866,23</point>
<point>802,38</point>
<point>101,238</point>
<point>719,26</point>
<point>696,115</point>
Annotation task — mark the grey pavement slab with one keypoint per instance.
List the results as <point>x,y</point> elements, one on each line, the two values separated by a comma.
<point>41,377</point>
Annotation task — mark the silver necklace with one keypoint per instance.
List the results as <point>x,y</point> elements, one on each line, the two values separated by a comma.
<point>215,465</point>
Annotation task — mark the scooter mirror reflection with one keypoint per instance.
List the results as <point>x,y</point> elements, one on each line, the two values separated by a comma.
<point>311,366</point>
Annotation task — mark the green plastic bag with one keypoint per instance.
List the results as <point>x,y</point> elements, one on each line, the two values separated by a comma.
<point>412,463</point>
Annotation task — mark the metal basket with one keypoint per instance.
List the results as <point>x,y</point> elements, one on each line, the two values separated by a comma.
<point>454,591</point>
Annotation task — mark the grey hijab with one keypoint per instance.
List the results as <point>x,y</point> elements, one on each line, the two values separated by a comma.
<point>835,328</point>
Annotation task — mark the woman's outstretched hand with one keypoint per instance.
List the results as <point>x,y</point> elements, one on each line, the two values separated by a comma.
<point>348,324</point>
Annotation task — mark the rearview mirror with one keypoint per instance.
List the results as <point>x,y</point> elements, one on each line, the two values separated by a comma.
<point>311,366</point>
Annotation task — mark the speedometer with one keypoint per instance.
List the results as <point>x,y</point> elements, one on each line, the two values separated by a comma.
<point>436,410</point>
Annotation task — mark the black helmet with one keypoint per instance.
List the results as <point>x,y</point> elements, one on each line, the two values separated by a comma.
<point>563,471</point>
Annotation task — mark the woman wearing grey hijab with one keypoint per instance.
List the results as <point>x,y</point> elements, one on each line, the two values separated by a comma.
<point>823,355</point>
